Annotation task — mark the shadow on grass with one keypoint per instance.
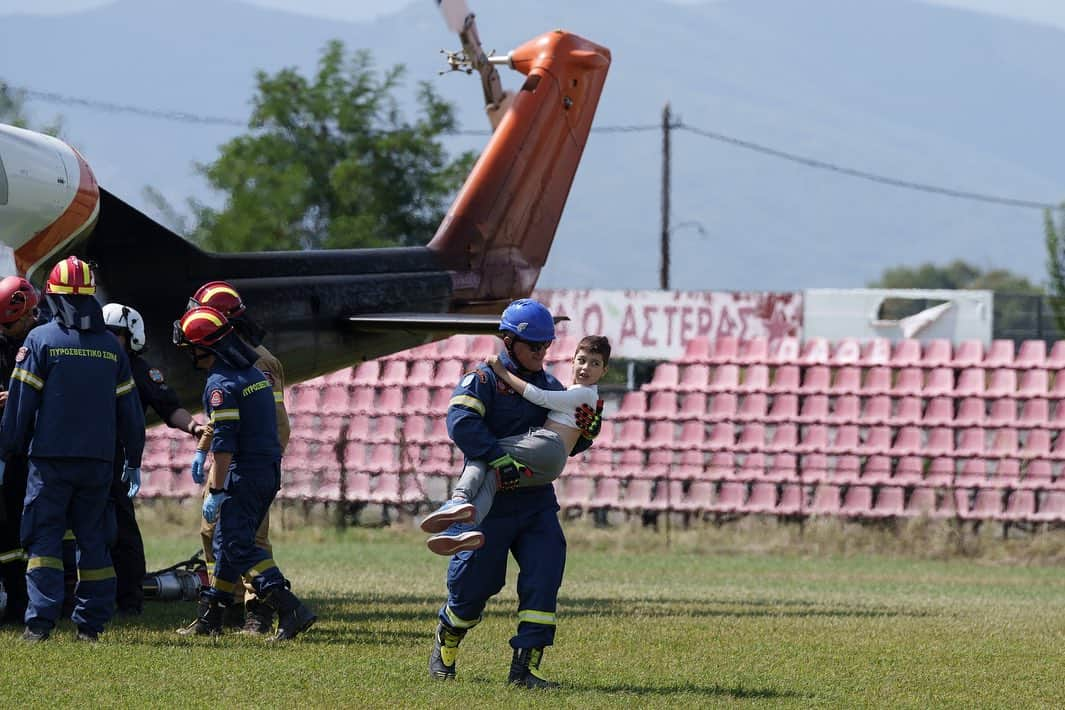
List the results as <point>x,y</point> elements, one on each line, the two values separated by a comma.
<point>666,689</point>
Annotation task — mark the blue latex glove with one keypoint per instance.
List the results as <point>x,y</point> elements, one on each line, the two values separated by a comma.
<point>132,476</point>
<point>3,465</point>
<point>212,506</point>
<point>198,461</point>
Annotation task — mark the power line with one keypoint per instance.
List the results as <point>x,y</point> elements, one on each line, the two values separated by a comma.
<point>865,175</point>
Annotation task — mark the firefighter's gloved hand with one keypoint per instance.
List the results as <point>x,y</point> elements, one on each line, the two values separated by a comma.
<point>212,505</point>
<point>198,462</point>
<point>132,476</point>
<point>508,471</point>
<point>590,421</point>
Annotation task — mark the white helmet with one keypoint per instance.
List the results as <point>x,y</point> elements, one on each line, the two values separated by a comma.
<point>128,320</point>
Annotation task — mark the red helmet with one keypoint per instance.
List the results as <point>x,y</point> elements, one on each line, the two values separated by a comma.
<point>71,276</point>
<point>17,298</point>
<point>203,326</point>
<point>221,296</point>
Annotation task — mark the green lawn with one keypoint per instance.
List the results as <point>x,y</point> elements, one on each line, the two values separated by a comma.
<point>706,623</point>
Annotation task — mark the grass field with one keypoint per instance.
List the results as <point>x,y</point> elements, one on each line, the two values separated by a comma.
<point>750,615</point>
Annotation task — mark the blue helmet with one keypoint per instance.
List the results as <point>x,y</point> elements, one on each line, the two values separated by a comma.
<point>529,320</point>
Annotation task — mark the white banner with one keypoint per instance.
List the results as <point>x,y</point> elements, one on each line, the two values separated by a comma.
<point>657,325</point>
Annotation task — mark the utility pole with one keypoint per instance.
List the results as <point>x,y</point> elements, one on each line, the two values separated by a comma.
<point>663,278</point>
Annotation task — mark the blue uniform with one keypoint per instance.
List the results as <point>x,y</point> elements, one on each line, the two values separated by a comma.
<point>523,522</point>
<point>240,405</point>
<point>70,397</point>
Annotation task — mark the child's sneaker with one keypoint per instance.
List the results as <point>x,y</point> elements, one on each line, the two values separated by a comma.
<point>455,539</point>
<point>456,510</point>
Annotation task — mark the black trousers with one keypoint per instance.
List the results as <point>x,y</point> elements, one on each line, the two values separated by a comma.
<point>12,559</point>
<point>127,554</point>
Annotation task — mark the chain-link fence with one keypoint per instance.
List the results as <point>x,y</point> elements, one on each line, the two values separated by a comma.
<point>1027,317</point>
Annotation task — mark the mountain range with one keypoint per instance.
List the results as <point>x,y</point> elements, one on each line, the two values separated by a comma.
<point>897,88</point>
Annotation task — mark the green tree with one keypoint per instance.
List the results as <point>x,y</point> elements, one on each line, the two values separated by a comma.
<point>1054,233</point>
<point>330,162</point>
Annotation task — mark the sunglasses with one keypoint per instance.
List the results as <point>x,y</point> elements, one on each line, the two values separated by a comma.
<point>536,347</point>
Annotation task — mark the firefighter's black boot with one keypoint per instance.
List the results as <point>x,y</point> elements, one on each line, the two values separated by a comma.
<point>233,617</point>
<point>208,620</point>
<point>525,669</point>
<point>445,649</point>
<point>259,618</point>
<point>293,615</point>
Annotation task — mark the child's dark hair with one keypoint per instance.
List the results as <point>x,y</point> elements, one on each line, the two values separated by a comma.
<point>598,344</point>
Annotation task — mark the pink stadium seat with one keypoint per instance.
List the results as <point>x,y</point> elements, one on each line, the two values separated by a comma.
<point>940,472</point>
<point>907,442</point>
<point>722,466</point>
<point>725,378</point>
<point>1003,384</point>
<point>877,410</point>
<point>1057,388</point>
<point>753,468</point>
<point>390,400</point>
<point>662,405</point>
<point>791,500</point>
<point>1035,414</point>
<point>755,379</point>
<point>973,472</point>
<point>670,497</point>
<point>814,352</point>
<point>441,400</point>
<point>417,401</point>
<point>847,469</point>
<point>814,440</point>
<point>385,430</point>
<point>907,412</point>
<point>813,468</point>
<point>1056,359</point>
<point>696,350</point>
<point>484,345</point>
<point>1036,445</point>
<point>563,372</point>
<point>922,502</point>
<point>1032,354</point>
<point>726,350</point>
<point>694,378</point>
<point>631,435</point>
<point>383,458</point>
<point>666,377</point>
<point>940,442</point>
<point>576,491</point>
<point>367,373</point>
<point>786,380</point>
<point>909,471</point>
<point>846,410</point>
<point>454,348</point>
<point>785,352</point>
<point>999,355</point>
<point>906,353</point>
<point>987,505</point>
<point>847,440</point>
<point>969,353</point>
<point>937,353</point>
<point>700,496</point>
<point>971,412</point>
<point>847,351</point>
<point>826,500</point>
<point>304,398</point>
<point>633,406</point>
<point>763,498</point>
<point>1057,451</point>
<point>877,382</point>
<point>689,465</point>
<point>752,438</point>
<point>632,464</point>
<point>1004,444</point>
<point>354,457</point>
<point>722,406</point>
<point>782,467</point>
<point>752,409</point>
<point>358,429</point>
<point>692,435</point>
<point>876,470</point>
<point>394,373</point>
<point>730,497</point>
<point>848,381</point>
<point>420,375</point>
<point>890,502</point>
<point>693,406</point>
<point>785,408</point>
<point>754,351</point>
<point>563,348</point>
<point>1034,383</point>
<point>814,409</point>
<point>971,442</point>
<point>1007,474</point>
<point>449,372</point>
<point>362,400</point>
<point>876,352</point>
<point>358,487</point>
<point>335,400</point>
<point>1052,507</point>
<point>877,441</point>
<point>1003,413</point>
<point>415,429</point>
<point>939,382</point>
<point>785,438</point>
<point>723,436</point>
<point>816,380</point>
<point>910,382</point>
<point>971,383</point>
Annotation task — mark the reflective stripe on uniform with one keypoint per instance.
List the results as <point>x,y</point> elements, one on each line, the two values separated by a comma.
<point>455,622</point>
<point>469,402</point>
<point>68,535</point>
<point>12,555</point>
<point>225,415</point>
<point>49,562</point>
<point>258,569</point>
<point>279,397</point>
<point>96,575</point>
<point>28,377</point>
<point>125,388</point>
<point>532,616</point>
<point>224,586</point>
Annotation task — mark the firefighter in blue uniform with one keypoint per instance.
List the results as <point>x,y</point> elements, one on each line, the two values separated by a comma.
<point>246,474</point>
<point>522,521</point>
<point>18,315</point>
<point>127,553</point>
<point>71,395</point>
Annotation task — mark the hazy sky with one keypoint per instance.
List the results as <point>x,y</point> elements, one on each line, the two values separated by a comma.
<point>1050,12</point>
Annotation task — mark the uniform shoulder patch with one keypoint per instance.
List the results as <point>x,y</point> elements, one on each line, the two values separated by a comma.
<point>216,397</point>
<point>21,354</point>
<point>467,380</point>
<point>156,375</point>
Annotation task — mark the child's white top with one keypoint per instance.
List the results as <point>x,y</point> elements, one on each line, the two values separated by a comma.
<point>563,403</point>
